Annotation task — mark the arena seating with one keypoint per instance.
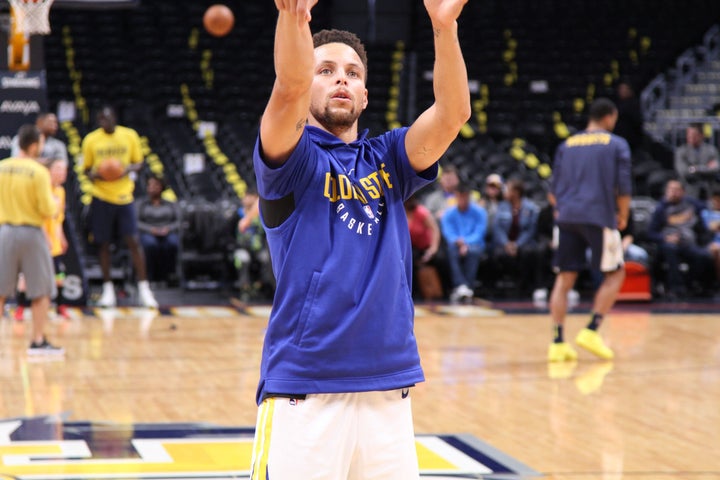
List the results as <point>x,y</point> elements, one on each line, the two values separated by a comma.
<point>534,66</point>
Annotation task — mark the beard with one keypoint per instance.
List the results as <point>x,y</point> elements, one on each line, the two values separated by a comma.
<point>333,119</point>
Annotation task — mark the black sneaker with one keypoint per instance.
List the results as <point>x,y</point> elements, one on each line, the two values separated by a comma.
<point>44,348</point>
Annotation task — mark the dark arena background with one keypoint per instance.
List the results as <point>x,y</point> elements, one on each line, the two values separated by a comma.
<point>169,392</point>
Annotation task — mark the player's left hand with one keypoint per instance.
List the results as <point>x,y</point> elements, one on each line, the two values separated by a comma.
<point>444,13</point>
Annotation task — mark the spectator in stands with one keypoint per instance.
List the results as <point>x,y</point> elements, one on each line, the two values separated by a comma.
<point>111,212</point>
<point>711,217</point>
<point>492,196</point>
<point>464,227</point>
<point>53,148</point>
<point>697,162</point>
<point>252,257</point>
<point>426,241</point>
<point>514,235</point>
<point>443,196</point>
<point>158,225</point>
<point>630,120</point>
<point>26,202</point>
<point>682,236</point>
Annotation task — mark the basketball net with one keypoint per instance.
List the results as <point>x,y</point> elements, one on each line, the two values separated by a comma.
<point>31,16</point>
<point>27,17</point>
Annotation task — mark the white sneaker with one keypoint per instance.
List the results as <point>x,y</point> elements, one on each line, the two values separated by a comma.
<point>466,291</point>
<point>107,299</point>
<point>573,298</point>
<point>146,297</point>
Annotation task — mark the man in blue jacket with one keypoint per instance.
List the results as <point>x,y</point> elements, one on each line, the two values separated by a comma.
<point>340,353</point>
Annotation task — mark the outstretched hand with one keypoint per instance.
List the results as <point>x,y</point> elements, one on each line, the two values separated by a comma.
<point>444,12</point>
<point>301,8</point>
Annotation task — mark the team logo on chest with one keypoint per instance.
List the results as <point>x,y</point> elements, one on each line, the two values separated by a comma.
<point>350,193</point>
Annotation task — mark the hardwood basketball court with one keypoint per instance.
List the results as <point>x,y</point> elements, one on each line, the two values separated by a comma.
<point>653,413</point>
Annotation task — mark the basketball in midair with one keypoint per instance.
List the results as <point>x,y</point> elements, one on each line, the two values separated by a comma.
<point>110,169</point>
<point>218,20</point>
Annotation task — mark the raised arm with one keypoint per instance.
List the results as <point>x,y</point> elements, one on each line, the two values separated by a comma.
<point>287,110</point>
<point>438,126</point>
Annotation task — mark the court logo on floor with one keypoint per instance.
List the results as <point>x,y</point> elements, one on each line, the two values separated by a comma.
<point>44,448</point>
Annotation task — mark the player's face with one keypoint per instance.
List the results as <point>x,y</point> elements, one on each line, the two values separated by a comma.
<point>338,94</point>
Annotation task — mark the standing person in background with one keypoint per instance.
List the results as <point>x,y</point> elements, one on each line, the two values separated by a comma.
<point>591,191</point>
<point>26,202</point>
<point>53,148</point>
<point>340,354</point>
<point>464,227</point>
<point>112,213</point>
<point>158,223</point>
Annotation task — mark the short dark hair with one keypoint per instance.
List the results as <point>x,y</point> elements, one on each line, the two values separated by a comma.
<point>517,185</point>
<point>158,178</point>
<point>342,36</point>
<point>697,126</point>
<point>27,135</point>
<point>601,108</point>
<point>463,188</point>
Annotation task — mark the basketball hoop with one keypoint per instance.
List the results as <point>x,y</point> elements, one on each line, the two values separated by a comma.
<point>31,16</point>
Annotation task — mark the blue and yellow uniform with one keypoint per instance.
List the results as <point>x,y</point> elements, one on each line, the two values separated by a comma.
<point>339,323</point>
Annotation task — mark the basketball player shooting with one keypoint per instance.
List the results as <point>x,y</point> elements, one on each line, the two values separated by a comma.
<point>340,355</point>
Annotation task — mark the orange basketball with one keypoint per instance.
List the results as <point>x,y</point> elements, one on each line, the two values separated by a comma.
<point>218,20</point>
<point>111,169</point>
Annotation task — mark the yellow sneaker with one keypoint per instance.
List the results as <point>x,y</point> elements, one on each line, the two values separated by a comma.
<point>561,352</point>
<point>591,341</point>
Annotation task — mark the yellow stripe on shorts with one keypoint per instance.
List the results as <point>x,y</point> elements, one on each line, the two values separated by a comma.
<point>263,431</point>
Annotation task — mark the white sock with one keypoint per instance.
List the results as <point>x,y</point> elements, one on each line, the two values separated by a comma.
<point>108,286</point>
<point>143,285</point>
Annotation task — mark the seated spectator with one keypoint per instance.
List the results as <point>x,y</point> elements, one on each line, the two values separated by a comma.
<point>678,229</point>
<point>492,196</point>
<point>443,196</point>
<point>464,227</point>
<point>252,257</point>
<point>426,243</point>
<point>631,251</point>
<point>514,236</point>
<point>697,162</point>
<point>158,224</point>
<point>711,217</point>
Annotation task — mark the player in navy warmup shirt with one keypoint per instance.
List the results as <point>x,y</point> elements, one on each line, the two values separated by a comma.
<point>340,353</point>
<point>591,188</point>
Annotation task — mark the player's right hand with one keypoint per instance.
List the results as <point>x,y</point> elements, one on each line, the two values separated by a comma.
<point>301,8</point>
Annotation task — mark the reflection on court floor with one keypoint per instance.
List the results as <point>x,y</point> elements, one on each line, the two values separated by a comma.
<point>44,448</point>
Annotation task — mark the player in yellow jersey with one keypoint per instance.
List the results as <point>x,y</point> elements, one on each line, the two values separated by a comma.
<point>26,201</point>
<point>112,213</point>
<point>53,228</point>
